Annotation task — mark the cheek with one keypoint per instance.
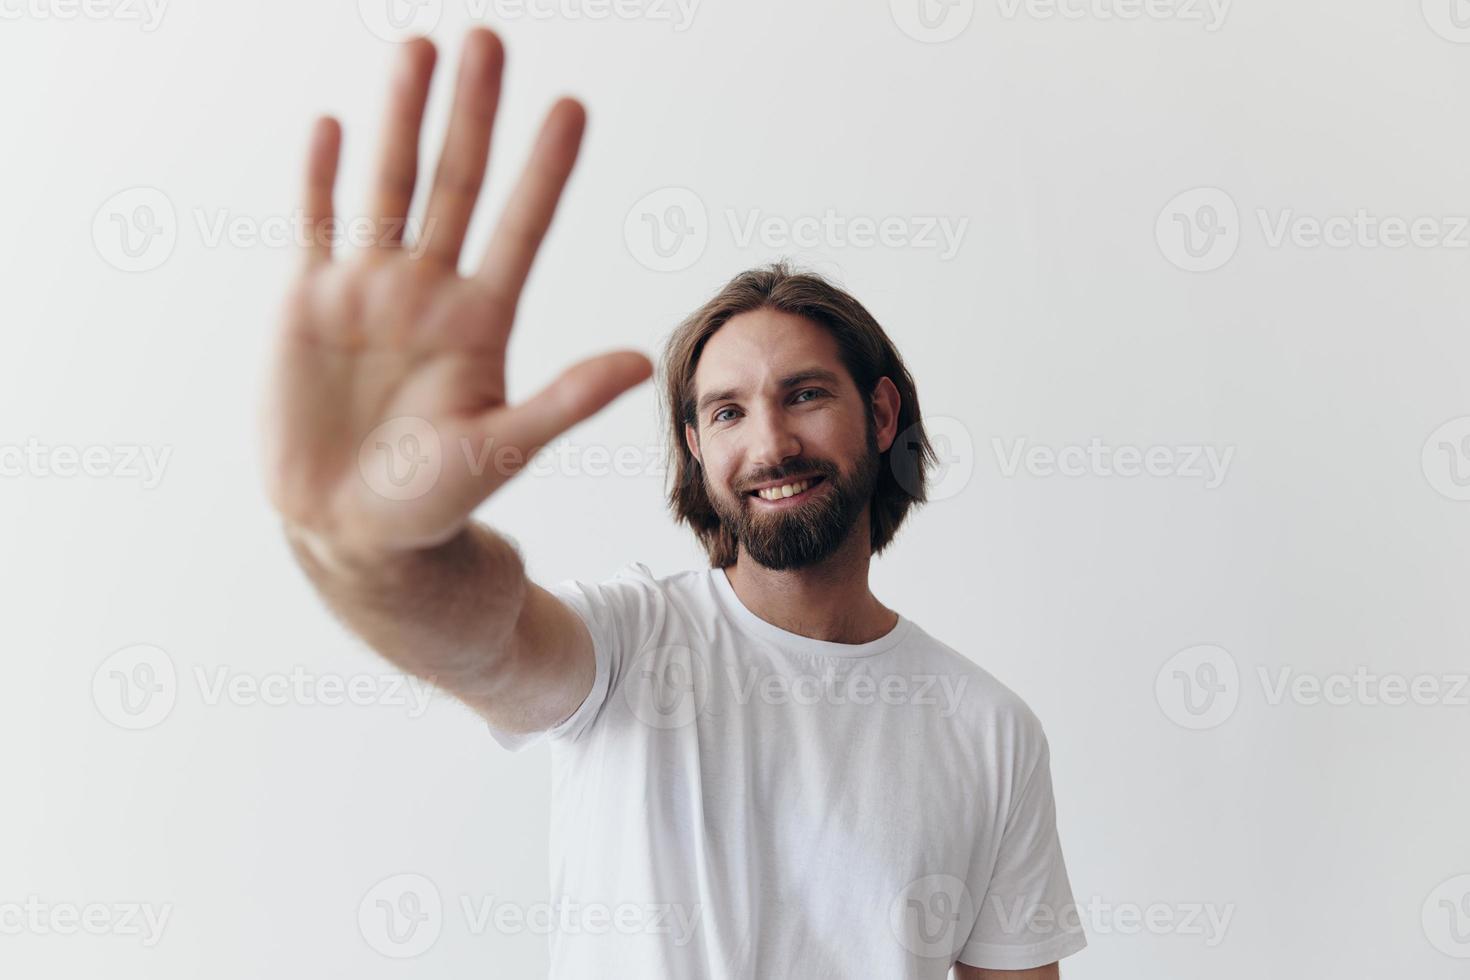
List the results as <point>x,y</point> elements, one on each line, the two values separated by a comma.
<point>834,436</point>
<point>718,467</point>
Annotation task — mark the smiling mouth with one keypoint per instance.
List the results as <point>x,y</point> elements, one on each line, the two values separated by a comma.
<point>788,492</point>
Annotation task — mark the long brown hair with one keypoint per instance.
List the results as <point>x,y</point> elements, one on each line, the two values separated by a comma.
<point>866,352</point>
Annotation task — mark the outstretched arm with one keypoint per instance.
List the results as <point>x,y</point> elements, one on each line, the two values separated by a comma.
<point>388,388</point>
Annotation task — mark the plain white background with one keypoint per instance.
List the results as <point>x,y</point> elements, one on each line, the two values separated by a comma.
<point>1150,620</point>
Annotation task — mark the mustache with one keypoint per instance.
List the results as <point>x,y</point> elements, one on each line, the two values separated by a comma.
<point>807,468</point>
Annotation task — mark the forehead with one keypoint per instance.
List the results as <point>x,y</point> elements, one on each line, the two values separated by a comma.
<point>759,347</point>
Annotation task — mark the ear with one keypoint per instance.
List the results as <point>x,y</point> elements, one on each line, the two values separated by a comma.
<point>886,402</point>
<point>691,439</point>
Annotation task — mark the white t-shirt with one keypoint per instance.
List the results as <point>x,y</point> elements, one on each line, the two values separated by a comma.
<point>734,801</point>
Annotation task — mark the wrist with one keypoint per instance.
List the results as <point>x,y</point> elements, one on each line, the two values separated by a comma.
<point>337,557</point>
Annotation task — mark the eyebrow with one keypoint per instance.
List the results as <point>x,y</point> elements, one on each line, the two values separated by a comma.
<point>790,381</point>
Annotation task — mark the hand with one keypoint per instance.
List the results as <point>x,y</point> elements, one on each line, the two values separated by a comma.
<point>386,422</point>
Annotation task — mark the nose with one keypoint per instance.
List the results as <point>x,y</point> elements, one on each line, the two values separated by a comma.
<point>772,440</point>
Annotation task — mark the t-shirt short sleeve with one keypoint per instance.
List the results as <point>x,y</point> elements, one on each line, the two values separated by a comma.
<point>1027,918</point>
<point>620,613</point>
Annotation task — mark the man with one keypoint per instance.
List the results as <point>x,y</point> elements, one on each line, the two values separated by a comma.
<point>761,770</point>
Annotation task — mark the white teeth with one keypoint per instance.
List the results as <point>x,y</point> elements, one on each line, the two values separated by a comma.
<point>786,490</point>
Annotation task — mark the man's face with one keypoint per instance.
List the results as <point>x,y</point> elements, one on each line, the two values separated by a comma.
<point>775,406</point>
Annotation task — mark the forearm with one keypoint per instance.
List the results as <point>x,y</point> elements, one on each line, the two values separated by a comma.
<point>445,614</point>
<point>392,344</point>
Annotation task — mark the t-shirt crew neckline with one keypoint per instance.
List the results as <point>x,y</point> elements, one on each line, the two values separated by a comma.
<point>795,642</point>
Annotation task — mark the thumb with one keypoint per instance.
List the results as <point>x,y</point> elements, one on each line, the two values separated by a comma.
<point>578,392</point>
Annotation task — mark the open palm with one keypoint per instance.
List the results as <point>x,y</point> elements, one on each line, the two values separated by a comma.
<point>386,422</point>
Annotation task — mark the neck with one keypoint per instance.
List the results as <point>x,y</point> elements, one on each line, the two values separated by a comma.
<point>827,601</point>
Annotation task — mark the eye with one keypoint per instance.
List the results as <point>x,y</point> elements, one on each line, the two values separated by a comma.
<point>818,392</point>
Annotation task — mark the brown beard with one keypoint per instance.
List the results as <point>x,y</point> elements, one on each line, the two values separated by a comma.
<point>808,533</point>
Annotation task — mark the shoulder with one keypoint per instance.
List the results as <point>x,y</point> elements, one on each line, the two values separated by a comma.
<point>631,580</point>
<point>638,583</point>
<point>633,602</point>
<point>637,575</point>
<point>987,710</point>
